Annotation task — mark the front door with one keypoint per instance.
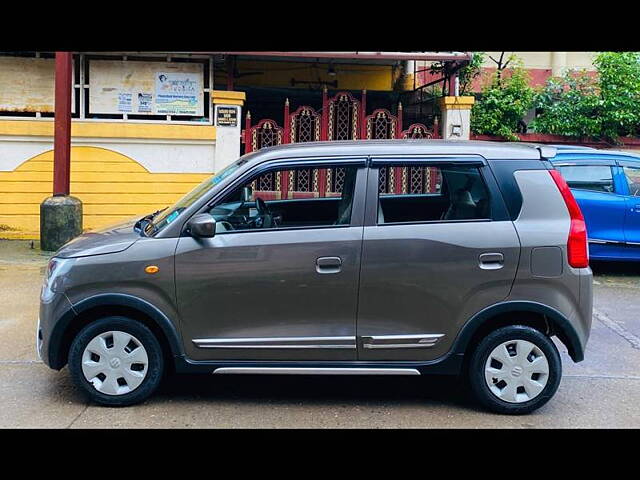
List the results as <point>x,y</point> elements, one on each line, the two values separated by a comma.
<point>601,200</point>
<point>274,283</point>
<point>436,251</point>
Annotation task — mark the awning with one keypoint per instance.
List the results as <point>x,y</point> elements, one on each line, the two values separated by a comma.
<point>421,56</point>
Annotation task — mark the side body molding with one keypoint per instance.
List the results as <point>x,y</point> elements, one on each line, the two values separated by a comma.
<point>57,357</point>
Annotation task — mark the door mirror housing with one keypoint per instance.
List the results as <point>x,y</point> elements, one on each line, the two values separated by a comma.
<point>202,225</point>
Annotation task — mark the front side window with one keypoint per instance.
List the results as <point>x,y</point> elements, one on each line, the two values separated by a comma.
<point>429,193</point>
<point>170,214</point>
<point>597,178</point>
<point>632,174</point>
<point>289,198</point>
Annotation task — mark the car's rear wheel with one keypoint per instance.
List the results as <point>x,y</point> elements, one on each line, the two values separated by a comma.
<point>515,370</point>
<point>116,361</point>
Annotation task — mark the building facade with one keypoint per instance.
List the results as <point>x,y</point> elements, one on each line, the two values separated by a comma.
<point>148,127</point>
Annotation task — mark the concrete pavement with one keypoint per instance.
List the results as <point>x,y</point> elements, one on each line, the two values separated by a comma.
<point>601,392</point>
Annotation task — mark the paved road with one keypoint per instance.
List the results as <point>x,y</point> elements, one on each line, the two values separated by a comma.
<point>602,392</point>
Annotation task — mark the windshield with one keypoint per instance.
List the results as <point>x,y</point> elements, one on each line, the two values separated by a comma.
<point>167,216</point>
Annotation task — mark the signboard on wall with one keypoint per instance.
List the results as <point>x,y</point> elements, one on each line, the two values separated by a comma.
<point>177,93</point>
<point>32,84</point>
<point>146,87</point>
<point>226,116</point>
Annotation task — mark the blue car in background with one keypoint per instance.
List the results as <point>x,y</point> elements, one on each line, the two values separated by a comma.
<point>606,185</point>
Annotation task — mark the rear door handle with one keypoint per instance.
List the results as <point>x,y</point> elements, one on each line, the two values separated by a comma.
<point>328,264</point>
<point>491,261</point>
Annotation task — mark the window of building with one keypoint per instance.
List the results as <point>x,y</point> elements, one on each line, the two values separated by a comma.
<point>270,201</point>
<point>27,85</point>
<point>429,193</point>
<point>597,178</point>
<point>149,88</point>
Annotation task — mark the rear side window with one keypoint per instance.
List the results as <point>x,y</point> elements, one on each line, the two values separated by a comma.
<point>430,193</point>
<point>632,174</point>
<point>597,178</point>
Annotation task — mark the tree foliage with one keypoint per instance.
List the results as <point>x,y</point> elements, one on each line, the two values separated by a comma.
<point>506,97</point>
<point>468,73</point>
<point>601,105</point>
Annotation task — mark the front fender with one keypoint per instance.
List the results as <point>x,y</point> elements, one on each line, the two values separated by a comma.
<point>57,342</point>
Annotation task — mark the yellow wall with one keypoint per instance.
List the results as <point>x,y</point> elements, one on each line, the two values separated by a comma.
<point>110,129</point>
<point>111,186</point>
<point>279,74</point>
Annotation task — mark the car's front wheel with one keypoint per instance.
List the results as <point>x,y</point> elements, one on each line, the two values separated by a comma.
<point>117,361</point>
<point>515,370</point>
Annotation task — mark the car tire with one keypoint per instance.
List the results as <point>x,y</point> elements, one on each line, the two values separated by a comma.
<point>116,361</point>
<point>526,379</point>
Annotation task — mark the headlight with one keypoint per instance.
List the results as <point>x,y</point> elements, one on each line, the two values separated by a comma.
<point>53,263</point>
<point>56,271</point>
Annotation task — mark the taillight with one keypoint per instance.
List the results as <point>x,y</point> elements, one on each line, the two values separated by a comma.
<point>577,249</point>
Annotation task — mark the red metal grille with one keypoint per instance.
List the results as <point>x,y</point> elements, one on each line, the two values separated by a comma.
<point>305,125</point>
<point>336,180</point>
<point>266,133</point>
<point>416,184</point>
<point>303,180</point>
<point>343,117</point>
<point>417,130</point>
<point>383,187</point>
<point>381,125</point>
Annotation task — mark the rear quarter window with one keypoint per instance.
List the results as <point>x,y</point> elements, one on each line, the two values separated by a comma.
<point>597,178</point>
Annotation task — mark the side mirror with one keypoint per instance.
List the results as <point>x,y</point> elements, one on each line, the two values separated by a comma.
<point>247,192</point>
<point>202,225</point>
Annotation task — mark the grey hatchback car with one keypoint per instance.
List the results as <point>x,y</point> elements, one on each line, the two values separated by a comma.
<point>400,257</point>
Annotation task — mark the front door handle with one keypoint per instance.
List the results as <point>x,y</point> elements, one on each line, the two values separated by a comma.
<point>328,264</point>
<point>636,209</point>
<point>491,261</point>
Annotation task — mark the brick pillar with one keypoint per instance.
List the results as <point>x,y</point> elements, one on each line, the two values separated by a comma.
<point>227,107</point>
<point>456,117</point>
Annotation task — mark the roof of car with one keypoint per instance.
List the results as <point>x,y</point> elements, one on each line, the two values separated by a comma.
<point>572,147</point>
<point>488,150</point>
<point>634,155</point>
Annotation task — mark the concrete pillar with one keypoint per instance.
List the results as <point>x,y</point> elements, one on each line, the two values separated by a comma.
<point>558,63</point>
<point>60,221</point>
<point>456,117</point>
<point>61,214</point>
<point>227,115</point>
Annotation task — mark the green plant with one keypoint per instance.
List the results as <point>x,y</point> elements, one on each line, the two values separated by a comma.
<point>468,73</point>
<point>569,105</point>
<point>506,97</point>
<point>601,105</point>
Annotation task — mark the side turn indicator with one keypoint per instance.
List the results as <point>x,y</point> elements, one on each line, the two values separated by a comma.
<point>151,269</point>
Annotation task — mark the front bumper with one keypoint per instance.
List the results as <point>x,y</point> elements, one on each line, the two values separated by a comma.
<point>52,308</point>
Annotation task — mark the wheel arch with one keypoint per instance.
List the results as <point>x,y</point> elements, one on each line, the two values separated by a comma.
<point>542,317</point>
<point>105,305</point>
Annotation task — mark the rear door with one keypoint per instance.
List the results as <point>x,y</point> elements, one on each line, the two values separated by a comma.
<point>430,264</point>
<point>600,197</point>
<point>629,175</point>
